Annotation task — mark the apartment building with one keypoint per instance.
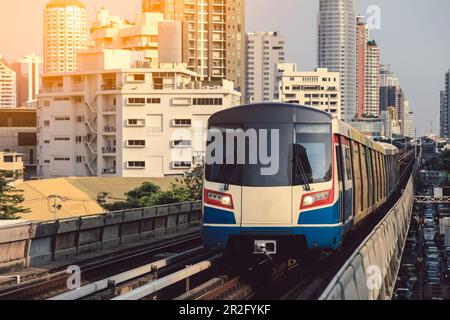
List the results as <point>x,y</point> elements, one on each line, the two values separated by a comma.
<point>65,34</point>
<point>264,51</point>
<point>318,89</point>
<point>114,117</point>
<point>7,84</point>
<point>372,80</point>
<point>214,33</point>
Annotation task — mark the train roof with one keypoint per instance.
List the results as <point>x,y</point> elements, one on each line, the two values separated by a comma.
<point>271,112</point>
<point>278,112</point>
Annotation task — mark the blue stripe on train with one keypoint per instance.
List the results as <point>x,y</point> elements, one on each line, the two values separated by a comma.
<point>217,216</point>
<point>323,238</point>
<point>329,215</point>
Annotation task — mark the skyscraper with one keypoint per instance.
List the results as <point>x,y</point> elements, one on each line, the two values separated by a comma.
<point>65,34</point>
<point>264,51</point>
<point>372,80</point>
<point>7,85</point>
<point>445,108</point>
<point>337,48</point>
<point>214,44</point>
<point>28,79</point>
<point>443,121</point>
<point>361,51</point>
<point>389,88</point>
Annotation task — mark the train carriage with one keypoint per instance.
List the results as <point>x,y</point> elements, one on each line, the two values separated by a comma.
<point>281,178</point>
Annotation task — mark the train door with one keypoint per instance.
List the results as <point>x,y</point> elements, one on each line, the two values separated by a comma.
<point>357,179</point>
<point>267,181</point>
<point>347,181</point>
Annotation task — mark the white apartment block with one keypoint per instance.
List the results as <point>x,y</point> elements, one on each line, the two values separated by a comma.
<point>113,32</point>
<point>318,89</point>
<point>7,85</point>
<point>264,51</point>
<point>65,34</point>
<point>114,117</point>
<point>408,121</point>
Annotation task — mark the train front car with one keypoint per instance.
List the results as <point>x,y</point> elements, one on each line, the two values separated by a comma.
<point>269,184</point>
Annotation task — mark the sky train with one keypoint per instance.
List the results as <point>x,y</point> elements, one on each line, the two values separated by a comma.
<point>323,180</point>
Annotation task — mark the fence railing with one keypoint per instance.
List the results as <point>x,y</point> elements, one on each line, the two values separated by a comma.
<point>32,244</point>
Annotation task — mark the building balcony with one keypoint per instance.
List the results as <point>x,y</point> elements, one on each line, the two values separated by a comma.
<point>109,130</point>
<point>109,150</point>
<point>108,109</point>
<point>109,171</point>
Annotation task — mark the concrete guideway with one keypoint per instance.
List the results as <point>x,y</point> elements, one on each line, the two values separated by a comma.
<point>157,285</point>
<point>370,273</point>
<point>115,280</point>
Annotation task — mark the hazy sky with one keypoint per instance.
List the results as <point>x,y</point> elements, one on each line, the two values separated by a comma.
<point>414,38</point>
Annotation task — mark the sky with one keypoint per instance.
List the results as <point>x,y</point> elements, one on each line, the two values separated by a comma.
<point>414,38</point>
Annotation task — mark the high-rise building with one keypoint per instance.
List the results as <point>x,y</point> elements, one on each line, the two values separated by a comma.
<point>28,72</point>
<point>65,34</point>
<point>264,51</point>
<point>318,89</point>
<point>372,80</point>
<point>445,108</point>
<point>389,84</point>
<point>337,49</point>
<point>443,118</point>
<point>7,84</point>
<point>408,121</point>
<point>214,30</point>
<point>362,35</point>
<point>116,117</point>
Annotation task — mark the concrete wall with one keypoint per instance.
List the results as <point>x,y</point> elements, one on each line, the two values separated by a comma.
<point>371,272</point>
<point>34,244</point>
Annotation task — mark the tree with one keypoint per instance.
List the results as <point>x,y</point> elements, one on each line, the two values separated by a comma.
<point>10,198</point>
<point>189,188</point>
<point>193,182</point>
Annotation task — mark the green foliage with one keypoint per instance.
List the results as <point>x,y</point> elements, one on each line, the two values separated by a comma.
<point>10,198</point>
<point>193,182</point>
<point>189,188</point>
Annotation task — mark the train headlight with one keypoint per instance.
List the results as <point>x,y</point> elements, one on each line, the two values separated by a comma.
<point>316,199</point>
<point>226,201</point>
<point>219,199</point>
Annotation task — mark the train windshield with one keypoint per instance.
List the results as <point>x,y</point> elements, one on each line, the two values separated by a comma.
<point>262,155</point>
<point>313,159</point>
<point>253,155</point>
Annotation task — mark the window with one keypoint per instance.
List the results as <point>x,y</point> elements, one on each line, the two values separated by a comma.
<point>47,123</point>
<point>136,122</point>
<point>80,159</point>
<point>314,141</point>
<point>78,139</point>
<point>136,143</point>
<point>136,164</point>
<point>62,159</point>
<point>80,118</point>
<point>208,101</point>
<point>8,159</point>
<point>62,118</point>
<point>154,100</point>
<point>182,122</point>
<point>138,77</point>
<point>181,143</point>
<point>27,139</point>
<point>181,164</point>
<point>140,101</point>
<point>61,139</point>
<point>46,141</point>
